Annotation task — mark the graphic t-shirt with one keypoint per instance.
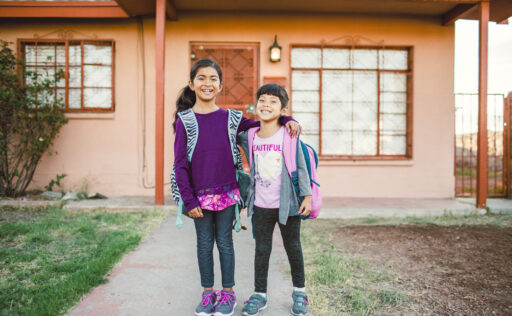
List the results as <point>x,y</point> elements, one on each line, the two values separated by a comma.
<point>268,167</point>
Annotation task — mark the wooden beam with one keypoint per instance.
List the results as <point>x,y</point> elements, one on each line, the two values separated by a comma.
<point>159,108</point>
<point>440,1</point>
<point>125,9</point>
<point>437,1</point>
<point>171,11</point>
<point>482,155</point>
<point>458,12</point>
<point>506,145</point>
<point>143,8</point>
<point>61,9</point>
<point>58,3</point>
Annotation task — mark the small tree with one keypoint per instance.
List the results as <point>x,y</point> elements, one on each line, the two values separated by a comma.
<point>30,118</point>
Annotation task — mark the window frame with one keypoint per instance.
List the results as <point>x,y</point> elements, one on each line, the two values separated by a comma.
<point>409,99</point>
<point>22,42</point>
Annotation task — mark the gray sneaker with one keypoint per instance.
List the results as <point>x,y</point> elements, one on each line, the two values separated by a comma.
<point>207,305</point>
<point>253,306</point>
<point>300,303</point>
<point>226,304</point>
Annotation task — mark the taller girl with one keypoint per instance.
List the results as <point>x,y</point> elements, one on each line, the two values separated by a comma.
<point>207,183</point>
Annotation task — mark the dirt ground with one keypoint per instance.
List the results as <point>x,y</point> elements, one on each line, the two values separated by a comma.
<point>456,270</point>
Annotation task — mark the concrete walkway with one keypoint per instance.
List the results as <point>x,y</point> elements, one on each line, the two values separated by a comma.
<point>161,276</point>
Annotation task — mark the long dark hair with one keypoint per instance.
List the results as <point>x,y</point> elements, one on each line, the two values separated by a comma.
<point>187,97</point>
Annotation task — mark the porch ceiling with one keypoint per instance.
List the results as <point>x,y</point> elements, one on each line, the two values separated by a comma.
<point>332,6</point>
<point>447,11</point>
<point>444,9</point>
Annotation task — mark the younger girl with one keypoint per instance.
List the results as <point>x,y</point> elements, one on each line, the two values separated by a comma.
<point>272,198</point>
<point>207,184</point>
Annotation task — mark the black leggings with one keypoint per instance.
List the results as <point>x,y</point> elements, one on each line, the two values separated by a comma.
<point>264,221</point>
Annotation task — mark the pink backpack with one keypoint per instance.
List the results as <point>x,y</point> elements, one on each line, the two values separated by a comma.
<point>290,147</point>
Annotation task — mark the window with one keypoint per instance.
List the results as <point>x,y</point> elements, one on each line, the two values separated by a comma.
<point>353,103</point>
<point>87,85</point>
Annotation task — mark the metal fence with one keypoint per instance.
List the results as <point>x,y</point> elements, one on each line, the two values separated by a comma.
<point>466,134</point>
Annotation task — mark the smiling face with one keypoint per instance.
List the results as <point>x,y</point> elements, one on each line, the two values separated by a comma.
<point>206,84</point>
<point>269,108</point>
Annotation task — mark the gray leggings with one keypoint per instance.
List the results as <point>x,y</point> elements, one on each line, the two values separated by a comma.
<point>264,221</point>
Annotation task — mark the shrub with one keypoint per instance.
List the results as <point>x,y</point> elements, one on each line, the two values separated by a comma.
<point>30,119</point>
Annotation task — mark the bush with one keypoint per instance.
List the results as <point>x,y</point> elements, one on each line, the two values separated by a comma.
<point>30,118</point>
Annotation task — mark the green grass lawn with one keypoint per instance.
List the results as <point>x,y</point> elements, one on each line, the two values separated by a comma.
<point>50,258</point>
<point>339,284</point>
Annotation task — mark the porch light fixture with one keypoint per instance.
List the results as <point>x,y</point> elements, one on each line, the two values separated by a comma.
<point>275,51</point>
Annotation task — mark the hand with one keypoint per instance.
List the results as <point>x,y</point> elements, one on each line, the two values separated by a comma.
<point>293,128</point>
<point>196,212</point>
<point>305,207</point>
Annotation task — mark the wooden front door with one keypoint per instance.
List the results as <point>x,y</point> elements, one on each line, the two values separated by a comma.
<point>239,64</point>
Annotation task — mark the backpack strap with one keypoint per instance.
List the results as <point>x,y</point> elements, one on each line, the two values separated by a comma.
<point>234,119</point>
<point>290,145</point>
<point>179,221</point>
<point>250,137</point>
<point>188,118</point>
<point>305,150</point>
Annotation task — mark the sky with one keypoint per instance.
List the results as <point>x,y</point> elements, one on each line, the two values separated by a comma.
<point>466,74</point>
<point>466,57</point>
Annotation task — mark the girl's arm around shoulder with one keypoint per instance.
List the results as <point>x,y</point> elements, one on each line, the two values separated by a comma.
<point>246,123</point>
<point>181,168</point>
<point>292,126</point>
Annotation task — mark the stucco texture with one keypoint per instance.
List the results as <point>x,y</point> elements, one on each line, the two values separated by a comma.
<point>105,152</point>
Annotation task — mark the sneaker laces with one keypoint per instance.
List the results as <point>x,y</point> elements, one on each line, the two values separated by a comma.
<point>207,298</point>
<point>253,300</point>
<point>225,298</point>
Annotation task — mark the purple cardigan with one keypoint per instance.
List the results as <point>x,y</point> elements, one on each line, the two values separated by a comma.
<point>211,169</point>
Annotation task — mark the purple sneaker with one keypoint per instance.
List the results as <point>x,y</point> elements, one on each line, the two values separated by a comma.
<point>226,304</point>
<point>207,305</point>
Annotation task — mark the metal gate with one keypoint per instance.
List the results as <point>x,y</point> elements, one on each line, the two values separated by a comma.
<point>466,134</point>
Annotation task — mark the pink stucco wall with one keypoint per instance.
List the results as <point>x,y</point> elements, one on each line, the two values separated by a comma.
<point>105,151</point>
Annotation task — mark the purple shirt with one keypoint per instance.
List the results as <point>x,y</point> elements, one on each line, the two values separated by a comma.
<point>211,170</point>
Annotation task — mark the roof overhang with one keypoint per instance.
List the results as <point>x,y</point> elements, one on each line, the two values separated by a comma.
<point>448,11</point>
<point>61,9</point>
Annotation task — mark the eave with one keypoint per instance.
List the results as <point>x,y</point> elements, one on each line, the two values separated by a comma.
<point>61,9</point>
<point>447,11</point>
